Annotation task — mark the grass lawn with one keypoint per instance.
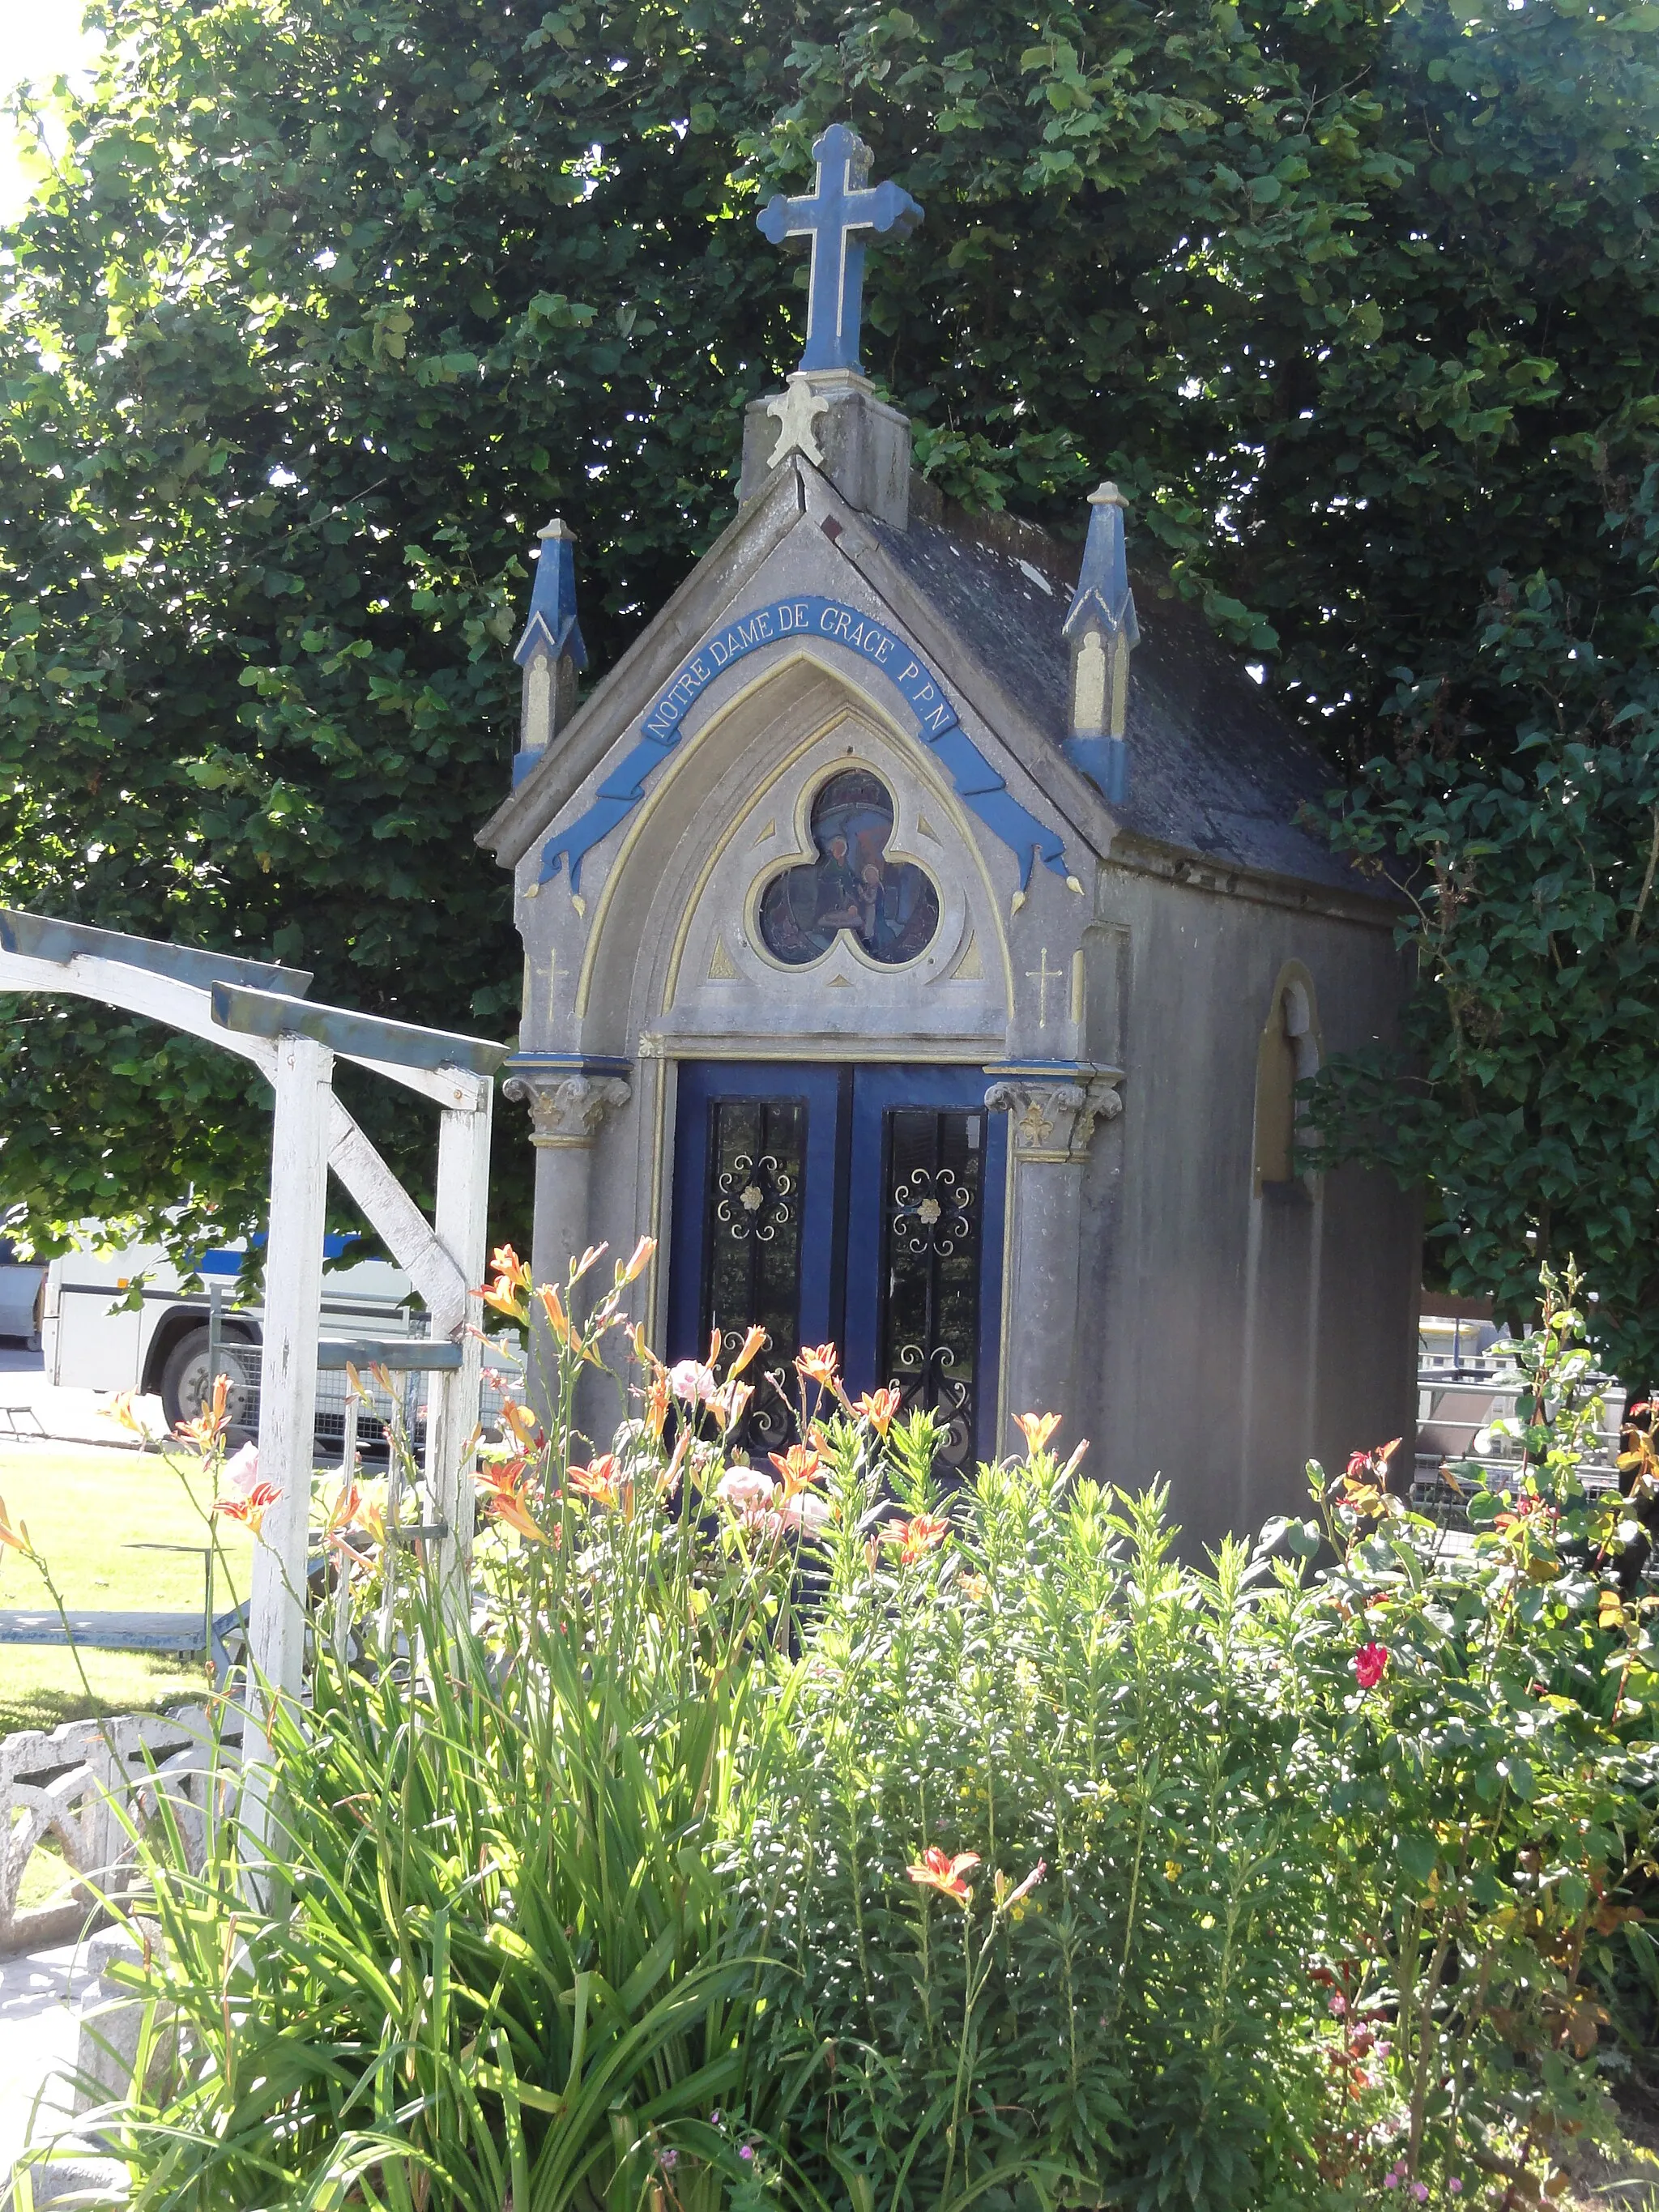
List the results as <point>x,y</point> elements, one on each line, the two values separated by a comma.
<point>86,1507</point>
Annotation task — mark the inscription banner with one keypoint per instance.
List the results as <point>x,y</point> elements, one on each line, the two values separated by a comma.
<point>824,622</point>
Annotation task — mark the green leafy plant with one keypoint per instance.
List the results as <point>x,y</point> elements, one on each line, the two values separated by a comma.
<point>820,1834</point>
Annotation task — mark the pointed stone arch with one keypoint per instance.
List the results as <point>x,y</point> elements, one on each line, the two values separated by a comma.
<point>1291,1049</point>
<point>676,908</point>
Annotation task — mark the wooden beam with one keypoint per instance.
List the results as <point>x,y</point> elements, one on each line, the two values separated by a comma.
<point>41,937</point>
<point>400,1355</point>
<point>133,990</point>
<point>462,1223</point>
<point>288,1407</point>
<point>358,1036</point>
<point>390,1211</point>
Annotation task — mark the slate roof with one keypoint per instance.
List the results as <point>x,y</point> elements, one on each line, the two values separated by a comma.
<point>1214,767</point>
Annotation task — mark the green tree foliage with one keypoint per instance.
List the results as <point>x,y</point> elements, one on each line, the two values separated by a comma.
<point>1527,806</point>
<point>330,304</point>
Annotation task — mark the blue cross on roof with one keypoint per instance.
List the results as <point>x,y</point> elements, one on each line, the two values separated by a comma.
<point>836,217</point>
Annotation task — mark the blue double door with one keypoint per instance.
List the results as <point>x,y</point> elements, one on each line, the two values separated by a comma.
<point>857,1205</point>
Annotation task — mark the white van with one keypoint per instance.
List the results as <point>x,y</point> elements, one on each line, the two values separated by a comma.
<point>91,1339</point>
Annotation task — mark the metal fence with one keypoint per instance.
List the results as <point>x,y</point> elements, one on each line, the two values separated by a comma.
<point>391,1392</point>
<point>1462,1403</point>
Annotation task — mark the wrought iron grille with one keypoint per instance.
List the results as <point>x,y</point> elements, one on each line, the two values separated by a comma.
<point>934,1173</point>
<point>752,1250</point>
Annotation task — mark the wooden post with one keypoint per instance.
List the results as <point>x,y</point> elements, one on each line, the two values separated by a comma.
<point>461,1221</point>
<point>287,1400</point>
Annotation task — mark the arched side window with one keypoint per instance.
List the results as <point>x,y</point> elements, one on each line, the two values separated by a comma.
<point>1290,1051</point>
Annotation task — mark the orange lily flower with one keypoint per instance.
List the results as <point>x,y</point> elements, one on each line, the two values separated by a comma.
<point>917,1536</point>
<point>553,1307</point>
<point>598,1483</point>
<point>975,1588</point>
<point>514,1514</point>
<point>508,1483</point>
<point>593,1252</point>
<point>206,1430</point>
<point>252,1508</point>
<point>799,1466</point>
<point>1036,1429</point>
<point>344,1513</point>
<point>519,1425</point>
<point>18,1538</point>
<point>752,1345</point>
<point>510,1286</point>
<point>124,1413</point>
<point>656,1403</point>
<point>936,1870</point>
<point>818,1364</point>
<point>639,1260</point>
<point>879,1407</point>
<point>506,1261</point>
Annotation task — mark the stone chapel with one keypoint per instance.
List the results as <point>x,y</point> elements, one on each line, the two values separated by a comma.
<point>921,943</point>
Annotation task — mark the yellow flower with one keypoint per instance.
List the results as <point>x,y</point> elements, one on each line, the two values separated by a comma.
<point>1036,1429</point>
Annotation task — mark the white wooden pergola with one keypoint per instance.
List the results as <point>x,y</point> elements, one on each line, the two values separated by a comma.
<point>260,1013</point>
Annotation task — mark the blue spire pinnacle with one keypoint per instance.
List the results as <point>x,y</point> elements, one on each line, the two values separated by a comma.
<point>1103,584</point>
<point>553,601</point>
<point>1100,628</point>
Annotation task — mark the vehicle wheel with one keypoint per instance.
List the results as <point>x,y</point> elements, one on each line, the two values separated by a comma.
<point>186,1382</point>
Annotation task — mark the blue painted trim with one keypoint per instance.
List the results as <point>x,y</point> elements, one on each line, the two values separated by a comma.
<point>1104,761</point>
<point>522,764</point>
<point>977,782</point>
<point>565,1063</point>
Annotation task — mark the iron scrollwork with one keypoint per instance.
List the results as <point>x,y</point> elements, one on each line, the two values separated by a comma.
<point>930,1274</point>
<point>754,1196</point>
<point>932,1211</point>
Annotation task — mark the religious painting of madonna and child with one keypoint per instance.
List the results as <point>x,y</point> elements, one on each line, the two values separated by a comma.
<point>889,906</point>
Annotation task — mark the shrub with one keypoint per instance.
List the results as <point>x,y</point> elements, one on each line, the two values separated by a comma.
<point>822,1835</point>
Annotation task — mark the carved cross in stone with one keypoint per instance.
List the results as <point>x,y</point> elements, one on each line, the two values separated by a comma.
<point>1043,975</point>
<point>837,217</point>
<point>553,971</point>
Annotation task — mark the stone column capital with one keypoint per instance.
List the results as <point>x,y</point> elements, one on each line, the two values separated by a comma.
<point>566,1108</point>
<point>1054,1119</point>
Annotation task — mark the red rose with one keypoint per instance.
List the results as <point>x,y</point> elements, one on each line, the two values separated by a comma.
<point>1370,1664</point>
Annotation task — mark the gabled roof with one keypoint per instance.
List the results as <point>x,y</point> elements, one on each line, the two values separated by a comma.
<point>1215,771</point>
<point>1214,768</point>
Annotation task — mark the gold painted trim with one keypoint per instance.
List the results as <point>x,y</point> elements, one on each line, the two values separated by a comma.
<point>661,1228</point>
<point>727,839</point>
<point>843,1052</point>
<point>1008,1204</point>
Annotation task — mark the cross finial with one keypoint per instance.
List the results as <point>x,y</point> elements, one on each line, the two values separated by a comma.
<point>837,216</point>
